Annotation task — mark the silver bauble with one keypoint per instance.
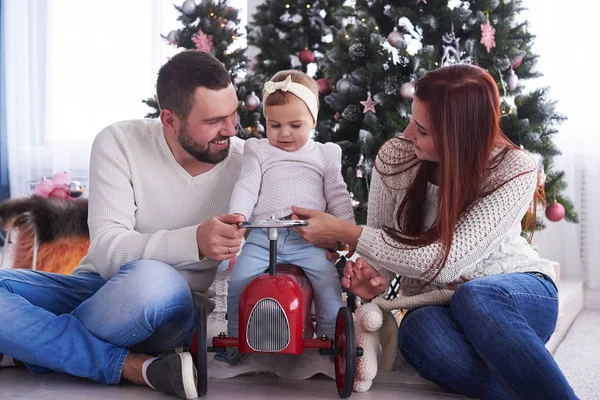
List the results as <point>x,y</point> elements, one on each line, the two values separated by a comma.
<point>75,189</point>
<point>188,7</point>
<point>343,86</point>
<point>173,37</point>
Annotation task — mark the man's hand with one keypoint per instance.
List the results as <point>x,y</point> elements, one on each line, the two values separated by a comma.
<point>220,238</point>
<point>363,280</point>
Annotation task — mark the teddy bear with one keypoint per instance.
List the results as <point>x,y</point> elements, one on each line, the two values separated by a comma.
<point>376,332</point>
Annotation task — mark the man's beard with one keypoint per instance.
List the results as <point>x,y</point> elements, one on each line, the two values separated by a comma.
<point>199,152</point>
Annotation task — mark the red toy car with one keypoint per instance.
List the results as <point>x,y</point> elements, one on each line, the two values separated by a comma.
<point>274,313</point>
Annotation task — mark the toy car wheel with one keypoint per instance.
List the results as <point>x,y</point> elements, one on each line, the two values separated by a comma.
<point>201,356</point>
<point>345,352</point>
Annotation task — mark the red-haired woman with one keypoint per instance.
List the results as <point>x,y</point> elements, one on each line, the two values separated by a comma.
<point>445,210</point>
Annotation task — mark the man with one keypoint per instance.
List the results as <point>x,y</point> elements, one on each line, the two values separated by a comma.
<point>155,189</point>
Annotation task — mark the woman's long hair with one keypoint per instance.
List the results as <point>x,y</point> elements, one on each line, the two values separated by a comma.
<point>464,118</point>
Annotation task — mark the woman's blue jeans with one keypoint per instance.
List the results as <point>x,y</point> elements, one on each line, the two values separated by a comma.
<point>85,326</point>
<point>489,344</point>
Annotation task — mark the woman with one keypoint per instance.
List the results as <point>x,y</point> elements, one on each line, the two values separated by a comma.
<point>445,211</point>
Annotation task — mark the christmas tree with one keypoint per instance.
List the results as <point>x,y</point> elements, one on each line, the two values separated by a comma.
<point>291,33</point>
<point>213,26</point>
<point>389,44</point>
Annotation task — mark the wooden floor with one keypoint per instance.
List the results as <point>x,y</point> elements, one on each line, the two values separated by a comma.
<point>19,383</point>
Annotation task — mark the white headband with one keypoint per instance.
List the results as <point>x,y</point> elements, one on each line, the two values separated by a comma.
<point>297,89</point>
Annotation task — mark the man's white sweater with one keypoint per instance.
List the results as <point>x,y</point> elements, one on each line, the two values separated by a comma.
<point>144,205</point>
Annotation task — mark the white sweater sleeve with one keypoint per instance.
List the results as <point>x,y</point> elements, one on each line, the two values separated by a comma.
<point>338,199</point>
<point>478,231</point>
<point>113,239</point>
<point>246,190</point>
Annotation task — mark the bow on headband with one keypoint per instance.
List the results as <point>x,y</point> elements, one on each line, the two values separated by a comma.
<point>297,89</point>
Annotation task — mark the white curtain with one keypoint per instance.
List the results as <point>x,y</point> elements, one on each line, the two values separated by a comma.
<point>74,67</point>
<point>569,60</point>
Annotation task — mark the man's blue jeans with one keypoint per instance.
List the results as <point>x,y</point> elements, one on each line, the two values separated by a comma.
<point>86,326</point>
<point>489,344</point>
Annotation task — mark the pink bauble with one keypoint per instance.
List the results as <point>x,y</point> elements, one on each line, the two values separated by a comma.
<point>45,186</point>
<point>517,62</point>
<point>252,102</point>
<point>39,192</point>
<point>395,38</point>
<point>407,90</point>
<point>61,179</point>
<point>59,193</point>
<point>306,56</point>
<point>555,212</point>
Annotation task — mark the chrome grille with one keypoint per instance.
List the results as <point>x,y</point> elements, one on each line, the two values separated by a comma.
<point>268,328</point>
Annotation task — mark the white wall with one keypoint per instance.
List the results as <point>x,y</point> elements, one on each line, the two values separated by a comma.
<point>569,60</point>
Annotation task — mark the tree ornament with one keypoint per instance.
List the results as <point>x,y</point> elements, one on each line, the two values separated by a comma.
<point>451,46</point>
<point>260,129</point>
<point>173,37</point>
<point>355,203</point>
<point>488,35</point>
<point>419,1</point>
<point>518,60</point>
<point>555,212</point>
<point>352,113</point>
<point>44,188</point>
<point>407,90</point>
<point>285,17</point>
<point>203,42</point>
<point>297,18</point>
<point>357,51</point>
<point>337,116</point>
<point>306,56</point>
<point>369,104</point>
<point>359,167</point>
<point>188,7</point>
<point>252,102</point>
<point>512,80</point>
<point>75,189</point>
<point>395,38</point>
<point>324,86</point>
<point>61,179</point>
<point>253,64</point>
<point>230,25</point>
<point>519,100</point>
<point>343,86</point>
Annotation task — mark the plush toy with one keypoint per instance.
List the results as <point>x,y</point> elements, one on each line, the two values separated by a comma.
<point>376,330</point>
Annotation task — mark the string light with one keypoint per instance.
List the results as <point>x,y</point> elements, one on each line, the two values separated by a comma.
<point>308,6</point>
<point>363,20</point>
<point>287,6</point>
<point>376,28</point>
<point>233,37</point>
<point>346,36</point>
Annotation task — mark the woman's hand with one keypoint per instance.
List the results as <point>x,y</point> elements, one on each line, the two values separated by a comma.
<point>325,230</point>
<point>321,229</point>
<point>363,280</point>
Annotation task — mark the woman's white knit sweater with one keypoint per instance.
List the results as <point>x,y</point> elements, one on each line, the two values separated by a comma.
<point>487,240</point>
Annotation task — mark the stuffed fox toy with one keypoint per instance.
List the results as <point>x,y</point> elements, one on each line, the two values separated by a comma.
<point>59,226</point>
